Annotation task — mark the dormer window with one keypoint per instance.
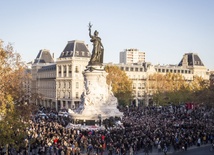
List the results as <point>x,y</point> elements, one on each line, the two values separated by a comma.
<point>63,53</point>
<point>67,53</point>
<point>77,52</point>
<point>83,53</point>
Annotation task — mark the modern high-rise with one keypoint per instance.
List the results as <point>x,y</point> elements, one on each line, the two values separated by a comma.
<point>130,56</point>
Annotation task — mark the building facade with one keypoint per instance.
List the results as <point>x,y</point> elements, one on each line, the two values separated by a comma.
<point>130,56</point>
<point>189,67</point>
<point>69,78</point>
<point>59,84</point>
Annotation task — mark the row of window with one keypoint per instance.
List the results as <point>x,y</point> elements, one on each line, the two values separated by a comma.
<point>48,93</point>
<point>67,53</point>
<point>47,75</point>
<point>67,94</point>
<point>63,71</point>
<point>173,71</point>
<point>47,84</point>
<point>66,84</point>
<point>136,69</point>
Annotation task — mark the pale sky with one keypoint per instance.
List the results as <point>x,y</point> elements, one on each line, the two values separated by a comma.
<point>163,29</point>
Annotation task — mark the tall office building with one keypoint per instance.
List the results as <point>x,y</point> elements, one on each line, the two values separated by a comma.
<point>130,56</point>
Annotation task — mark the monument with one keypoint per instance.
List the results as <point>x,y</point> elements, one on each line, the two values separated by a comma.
<point>97,101</point>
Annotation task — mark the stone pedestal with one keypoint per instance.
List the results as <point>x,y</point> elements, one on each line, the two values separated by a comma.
<point>97,100</point>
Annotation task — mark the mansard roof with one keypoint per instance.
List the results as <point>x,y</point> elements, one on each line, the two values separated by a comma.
<point>48,68</point>
<point>75,48</point>
<point>191,59</point>
<point>44,56</point>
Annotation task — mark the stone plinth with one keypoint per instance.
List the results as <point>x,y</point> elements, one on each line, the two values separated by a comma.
<point>97,99</point>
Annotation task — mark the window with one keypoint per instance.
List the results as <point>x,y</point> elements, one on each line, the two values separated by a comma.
<point>77,52</point>
<point>59,69</point>
<point>69,104</point>
<point>69,68</point>
<point>64,69</point>
<point>76,69</point>
<point>134,86</point>
<point>67,53</point>
<point>139,87</point>
<point>77,95</point>
<point>127,68</point>
<point>77,85</point>
<point>83,53</point>
<point>136,69</point>
<point>69,85</point>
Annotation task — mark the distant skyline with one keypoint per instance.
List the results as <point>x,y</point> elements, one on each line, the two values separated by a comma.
<point>164,29</point>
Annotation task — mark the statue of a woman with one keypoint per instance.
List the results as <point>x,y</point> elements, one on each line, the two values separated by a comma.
<point>98,49</point>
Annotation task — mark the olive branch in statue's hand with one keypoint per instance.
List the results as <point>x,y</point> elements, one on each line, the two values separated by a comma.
<point>89,26</point>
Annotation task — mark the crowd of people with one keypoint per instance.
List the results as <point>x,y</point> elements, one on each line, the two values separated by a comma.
<point>143,129</point>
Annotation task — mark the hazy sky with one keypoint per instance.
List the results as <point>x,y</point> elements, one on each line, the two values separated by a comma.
<point>163,29</point>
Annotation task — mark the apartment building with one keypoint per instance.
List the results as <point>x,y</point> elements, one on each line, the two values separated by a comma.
<point>59,84</point>
<point>130,56</point>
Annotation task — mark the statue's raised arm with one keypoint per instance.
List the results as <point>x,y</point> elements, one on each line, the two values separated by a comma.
<point>89,28</point>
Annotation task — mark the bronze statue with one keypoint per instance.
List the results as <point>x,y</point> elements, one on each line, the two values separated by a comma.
<point>98,49</point>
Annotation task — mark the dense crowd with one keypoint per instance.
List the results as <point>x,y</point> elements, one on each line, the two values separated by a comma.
<point>144,129</point>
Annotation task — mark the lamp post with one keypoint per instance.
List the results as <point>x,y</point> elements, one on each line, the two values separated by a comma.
<point>100,119</point>
<point>127,109</point>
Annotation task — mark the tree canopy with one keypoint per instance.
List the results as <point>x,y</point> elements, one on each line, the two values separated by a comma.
<point>121,84</point>
<point>173,88</point>
<point>12,110</point>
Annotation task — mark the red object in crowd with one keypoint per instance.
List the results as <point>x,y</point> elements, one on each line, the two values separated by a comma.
<point>103,137</point>
<point>190,106</point>
<point>55,141</point>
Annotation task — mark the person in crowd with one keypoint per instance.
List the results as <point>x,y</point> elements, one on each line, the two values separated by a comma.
<point>141,130</point>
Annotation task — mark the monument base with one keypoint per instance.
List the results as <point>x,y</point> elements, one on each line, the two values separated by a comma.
<point>98,101</point>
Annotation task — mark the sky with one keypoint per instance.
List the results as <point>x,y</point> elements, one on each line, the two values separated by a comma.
<point>164,29</point>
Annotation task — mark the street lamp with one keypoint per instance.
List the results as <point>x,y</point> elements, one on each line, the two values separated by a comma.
<point>100,119</point>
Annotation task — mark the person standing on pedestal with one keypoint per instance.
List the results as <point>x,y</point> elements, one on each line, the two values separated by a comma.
<point>98,49</point>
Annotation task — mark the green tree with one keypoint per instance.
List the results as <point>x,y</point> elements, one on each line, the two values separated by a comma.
<point>12,110</point>
<point>173,88</point>
<point>121,84</point>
